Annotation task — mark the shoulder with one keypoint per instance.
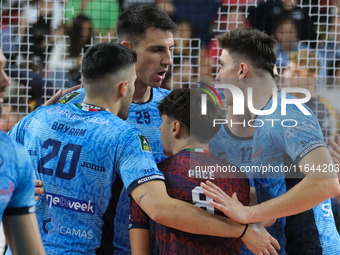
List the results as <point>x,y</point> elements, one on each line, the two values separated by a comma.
<point>159,94</point>
<point>74,96</point>
<point>13,152</point>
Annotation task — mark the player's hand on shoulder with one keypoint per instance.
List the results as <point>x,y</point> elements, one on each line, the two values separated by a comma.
<point>259,241</point>
<point>60,94</point>
<point>230,206</point>
<point>38,189</point>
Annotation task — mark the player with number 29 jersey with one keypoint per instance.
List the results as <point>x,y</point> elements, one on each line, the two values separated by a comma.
<point>90,150</point>
<point>183,173</point>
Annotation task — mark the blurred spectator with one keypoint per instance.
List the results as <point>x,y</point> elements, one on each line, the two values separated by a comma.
<point>287,33</point>
<point>302,72</point>
<point>38,22</point>
<point>230,18</point>
<point>37,86</point>
<point>200,13</point>
<point>65,59</point>
<point>267,12</point>
<point>184,44</point>
<point>103,14</point>
<point>329,50</point>
<point>183,74</point>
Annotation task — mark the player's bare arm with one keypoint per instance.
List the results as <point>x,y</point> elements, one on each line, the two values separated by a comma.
<point>154,200</point>
<point>139,241</point>
<point>311,191</point>
<point>334,150</point>
<point>22,234</point>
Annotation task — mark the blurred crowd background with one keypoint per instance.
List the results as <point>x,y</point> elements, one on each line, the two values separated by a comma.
<point>44,40</point>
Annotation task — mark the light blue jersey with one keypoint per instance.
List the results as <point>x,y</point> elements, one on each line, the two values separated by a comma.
<point>238,151</point>
<point>78,155</point>
<point>16,178</point>
<point>147,119</point>
<point>280,144</point>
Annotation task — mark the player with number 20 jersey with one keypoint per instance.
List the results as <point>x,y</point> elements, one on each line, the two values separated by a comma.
<point>97,147</point>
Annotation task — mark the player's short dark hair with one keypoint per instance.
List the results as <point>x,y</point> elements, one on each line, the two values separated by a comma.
<point>135,20</point>
<point>185,106</point>
<point>251,44</point>
<point>106,58</point>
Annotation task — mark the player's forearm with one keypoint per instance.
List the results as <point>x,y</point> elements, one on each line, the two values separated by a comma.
<point>302,197</point>
<point>22,234</point>
<point>139,241</point>
<point>154,200</point>
<point>318,185</point>
<point>189,218</point>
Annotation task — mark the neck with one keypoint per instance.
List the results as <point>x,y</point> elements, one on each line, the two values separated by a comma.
<point>237,129</point>
<point>142,93</point>
<point>105,103</point>
<point>262,96</point>
<point>188,143</point>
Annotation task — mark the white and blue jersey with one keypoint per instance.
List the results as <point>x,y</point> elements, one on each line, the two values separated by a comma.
<point>79,155</point>
<point>283,143</point>
<point>238,151</point>
<point>17,179</point>
<point>147,119</point>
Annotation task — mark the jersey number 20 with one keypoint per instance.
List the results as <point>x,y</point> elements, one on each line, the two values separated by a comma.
<point>60,173</point>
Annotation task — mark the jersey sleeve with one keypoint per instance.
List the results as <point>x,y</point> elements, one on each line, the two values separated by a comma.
<point>135,161</point>
<point>18,130</point>
<point>299,137</point>
<point>138,218</point>
<point>22,200</point>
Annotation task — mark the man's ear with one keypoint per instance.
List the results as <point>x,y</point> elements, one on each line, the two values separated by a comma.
<point>243,70</point>
<point>127,44</point>
<point>122,88</point>
<point>177,129</point>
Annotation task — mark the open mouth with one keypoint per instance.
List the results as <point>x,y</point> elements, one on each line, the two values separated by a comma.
<point>162,74</point>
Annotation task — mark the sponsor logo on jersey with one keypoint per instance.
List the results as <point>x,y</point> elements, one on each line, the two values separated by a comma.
<point>93,166</point>
<point>51,227</point>
<point>144,144</point>
<point>73,116</point>
<point>69,97</point>
<point>327,210</point>
<point>150,178</point>
<point>70,203</point>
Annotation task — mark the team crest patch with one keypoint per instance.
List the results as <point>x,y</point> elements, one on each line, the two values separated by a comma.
<point>69,97</point>
<point>144,144</point>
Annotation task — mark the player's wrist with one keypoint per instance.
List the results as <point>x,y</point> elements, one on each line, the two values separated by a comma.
<point>244,231</point>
